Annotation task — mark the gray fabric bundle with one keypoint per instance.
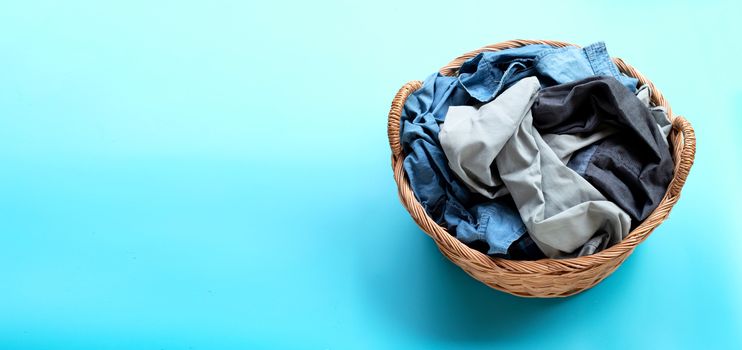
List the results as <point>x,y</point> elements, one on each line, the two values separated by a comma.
<point>495,150</point>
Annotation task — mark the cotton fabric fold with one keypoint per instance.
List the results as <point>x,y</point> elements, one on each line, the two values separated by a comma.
<point>560,209</point>
<point>633,167</point>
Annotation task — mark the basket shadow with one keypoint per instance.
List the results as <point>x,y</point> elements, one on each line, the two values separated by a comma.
<point>417,289</point>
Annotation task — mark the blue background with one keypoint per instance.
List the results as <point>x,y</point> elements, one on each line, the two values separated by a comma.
<point>216,175</point>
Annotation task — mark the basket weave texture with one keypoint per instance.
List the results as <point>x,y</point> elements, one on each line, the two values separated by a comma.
<point>546,277</point>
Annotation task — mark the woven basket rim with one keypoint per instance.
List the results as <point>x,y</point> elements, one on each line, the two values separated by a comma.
<point>682,138</point>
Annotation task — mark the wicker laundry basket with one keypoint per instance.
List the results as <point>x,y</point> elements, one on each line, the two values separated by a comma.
<point>546,277</point>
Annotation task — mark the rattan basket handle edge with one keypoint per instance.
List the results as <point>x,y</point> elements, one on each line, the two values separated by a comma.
<point>395,113</point>
<point>687,153</point>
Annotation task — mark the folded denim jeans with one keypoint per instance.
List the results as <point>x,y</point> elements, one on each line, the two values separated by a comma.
<point>489,73</point>
<point>632,167</point>
<point>560,209</point>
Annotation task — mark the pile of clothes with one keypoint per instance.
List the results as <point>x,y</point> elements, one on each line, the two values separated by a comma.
<point>537,151</point>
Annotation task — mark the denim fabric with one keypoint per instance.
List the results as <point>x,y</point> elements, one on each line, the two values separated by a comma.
<point>524,249</point>
<point>489,73</point>
<point>565,145</point>
<point>581,156</point>
<point>560,209</point>
<point>658,112</point>
<point>581,159</point>
<point>468,216</point>
<point>633,167</point>
<point>594,245</point>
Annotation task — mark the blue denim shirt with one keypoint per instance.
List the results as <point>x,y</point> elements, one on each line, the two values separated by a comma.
<point>489,73</point>
<point>474,219</point>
